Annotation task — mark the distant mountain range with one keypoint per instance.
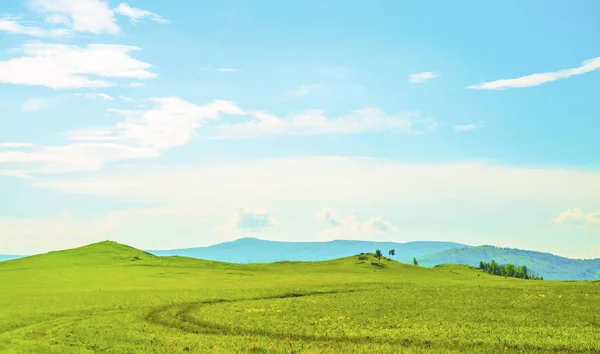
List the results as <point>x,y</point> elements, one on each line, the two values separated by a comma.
<point>550,266</point>
<point>253,250</point>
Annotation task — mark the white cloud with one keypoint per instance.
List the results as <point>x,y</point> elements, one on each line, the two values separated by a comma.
<point>300,92</point>
<point>96,96</point>
<point>37,104</point>
<point>135,15</point>
<point>578,217</point>
<point>540,78</point>
<point>12,26</point>
<point>350,224</point>
<point>368,120</point>
<point>92,16</point>
<point>142,134</point>
<point>63,67</point>
<point>126,99</point>
<point>465,127</point>
<point>172,123</point>
<point>421,77</point>
<point>58,20</point>
<point>249,219</point>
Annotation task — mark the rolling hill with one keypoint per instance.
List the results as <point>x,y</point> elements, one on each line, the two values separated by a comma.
<point>548,265</point>
<point>111,297</point>
<point>429,254</point>
<point>253,250</point>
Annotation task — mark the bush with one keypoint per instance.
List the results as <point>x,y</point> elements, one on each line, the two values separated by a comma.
<point>379,265</point>
<point>362,257</point>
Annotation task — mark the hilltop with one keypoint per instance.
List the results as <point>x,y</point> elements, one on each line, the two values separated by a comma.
<point>548,265</point>
<point>96,254</point>
<point>253,250</point>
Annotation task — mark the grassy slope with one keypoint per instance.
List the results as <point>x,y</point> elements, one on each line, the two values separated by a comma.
<point>96,298</point>
<point>548,265</point>
<point>252,250</point>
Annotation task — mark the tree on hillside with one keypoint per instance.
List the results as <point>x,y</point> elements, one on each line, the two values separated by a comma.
<point>392,253</point>
<point>415,261</point>
<point>378,255</point>
<point>508,270</point>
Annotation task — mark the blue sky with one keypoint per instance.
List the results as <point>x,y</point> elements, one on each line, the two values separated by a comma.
<point>188,123</point>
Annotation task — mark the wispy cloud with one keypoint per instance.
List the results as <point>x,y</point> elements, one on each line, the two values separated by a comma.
<point>351,224</point>
<point>60,66</point>
<point>315,122</point>
<point>300,91</point>
<point>12,26</point>
<point>92,16</point>
<point>126,99</point>
<point>173,122</point>
<point>249,219</point>
<point>465,127</point>
<point>96,96</point>
<point>539,79</point>
<point>135,15</point>
<point>38,104</point>
<point>57,20</point>
<point>221,70</point>
<point>142,135</point>
<point>421,77</point>
<point>228,70</point>
<point>579,218</point>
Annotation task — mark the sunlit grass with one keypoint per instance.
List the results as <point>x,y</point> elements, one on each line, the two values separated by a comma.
<point>98,299</point>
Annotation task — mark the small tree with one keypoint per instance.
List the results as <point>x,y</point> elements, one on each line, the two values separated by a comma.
<point>415,261</point>
<point>392,253</point>
<point>378,255</point>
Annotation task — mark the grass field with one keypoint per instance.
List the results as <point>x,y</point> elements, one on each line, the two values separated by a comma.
<point>99,299</point>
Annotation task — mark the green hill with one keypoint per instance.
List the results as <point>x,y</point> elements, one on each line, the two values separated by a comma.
<point>550,266</point>
<point>108,297</point>
<point>96,254</point>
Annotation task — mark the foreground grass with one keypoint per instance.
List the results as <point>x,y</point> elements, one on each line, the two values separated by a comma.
<point>96,299</point>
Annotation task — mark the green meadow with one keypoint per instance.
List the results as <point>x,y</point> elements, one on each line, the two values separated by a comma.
<point>107,297</point>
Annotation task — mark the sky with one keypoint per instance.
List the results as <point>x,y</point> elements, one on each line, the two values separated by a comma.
<point>171,124</point>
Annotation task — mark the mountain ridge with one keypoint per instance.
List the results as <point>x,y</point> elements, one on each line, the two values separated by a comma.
<point>548,265</point>
<point>254,250</point>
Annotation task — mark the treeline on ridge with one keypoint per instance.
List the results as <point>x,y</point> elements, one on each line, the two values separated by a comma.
<point>508,270</point>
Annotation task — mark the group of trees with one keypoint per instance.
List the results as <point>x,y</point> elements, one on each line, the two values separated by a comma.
<point>508,270</point>
<point>391,253</point>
